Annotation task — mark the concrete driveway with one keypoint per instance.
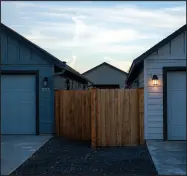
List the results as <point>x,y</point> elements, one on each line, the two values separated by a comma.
<point>15,149</point>
<point>169,157</point>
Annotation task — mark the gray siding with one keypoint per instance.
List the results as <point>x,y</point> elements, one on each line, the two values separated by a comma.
<point>173,54</point>
<point>16,55</point>
<point>107,75</point>
<point>59,82</point>
<point>139,81</point>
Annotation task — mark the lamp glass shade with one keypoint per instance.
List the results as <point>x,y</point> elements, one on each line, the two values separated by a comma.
<point>155,80</point>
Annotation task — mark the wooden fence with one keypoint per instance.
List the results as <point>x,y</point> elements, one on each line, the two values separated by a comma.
<point>117,117</point>
<point>72,111</point>
<point>107,117</point>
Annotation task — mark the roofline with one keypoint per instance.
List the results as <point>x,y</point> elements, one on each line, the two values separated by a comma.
<point>54,60</point>
<point>70,69</point>
<point>82,79</point>
<point>104,63</point>
<point>163,42</point>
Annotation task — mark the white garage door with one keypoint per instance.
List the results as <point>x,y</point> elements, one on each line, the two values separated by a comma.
<point>18,104</point>
<point>176,105</point>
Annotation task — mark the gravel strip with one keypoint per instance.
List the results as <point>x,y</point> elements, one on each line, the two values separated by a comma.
<point>62,157</point>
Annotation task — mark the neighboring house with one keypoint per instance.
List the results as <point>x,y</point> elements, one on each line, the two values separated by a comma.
<point>70,79</point>
<point>27,85</point>
<point>164,103</point>
<point>106,76</point>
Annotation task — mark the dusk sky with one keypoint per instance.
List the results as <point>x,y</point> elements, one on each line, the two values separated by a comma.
<point>86,34</point>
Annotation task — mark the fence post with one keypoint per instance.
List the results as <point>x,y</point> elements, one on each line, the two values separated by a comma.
<point>141,115</point>
<point>57,112</point>
<point>93,118</point>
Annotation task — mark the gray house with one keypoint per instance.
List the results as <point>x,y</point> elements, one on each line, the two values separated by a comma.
<point>70,79</point>
<point>106,76</point>
<point>161,71</point>
<point>27,85</point>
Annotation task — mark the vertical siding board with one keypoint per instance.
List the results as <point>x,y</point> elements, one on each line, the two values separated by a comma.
<point>13,50</point>
<point>4,47</point>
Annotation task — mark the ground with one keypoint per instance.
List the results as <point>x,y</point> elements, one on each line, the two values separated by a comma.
<point>15,149</point>
<point>169,157</point>
<point>62,157</point>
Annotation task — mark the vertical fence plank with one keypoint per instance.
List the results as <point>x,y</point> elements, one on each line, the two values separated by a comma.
<point>99,116</point>
<point>88,124</point>
<point>127,118</point>
<point>57,108</point>
<point>103,125</point>
<point>112,111</point>
<point>61,114</point>
<point>119,116</point>
<point>106,118</point>
<point>134,116</point>
<point>93,118</point>
<point>141,115</point>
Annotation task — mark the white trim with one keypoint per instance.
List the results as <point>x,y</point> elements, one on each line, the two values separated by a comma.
<point>145,99</point>
<point>180,57</point>
<point>185,43</point>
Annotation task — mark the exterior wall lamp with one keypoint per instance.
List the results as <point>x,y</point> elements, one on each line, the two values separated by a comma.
<point>155,80</point>
<point>45,82</point>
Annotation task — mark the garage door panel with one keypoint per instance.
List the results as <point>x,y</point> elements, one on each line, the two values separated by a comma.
<point>178,133</point>
<point>18,104</point>
<point>178,101</point>
<point>176,105</point>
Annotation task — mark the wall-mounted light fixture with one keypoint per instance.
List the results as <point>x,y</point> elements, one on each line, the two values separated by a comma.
<point>45,82</point>
<point>155,80</point>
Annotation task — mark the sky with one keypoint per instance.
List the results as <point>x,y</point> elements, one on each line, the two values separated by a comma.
<point>86,34</point>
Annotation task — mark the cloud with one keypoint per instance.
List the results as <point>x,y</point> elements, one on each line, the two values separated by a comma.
<point>117,31</point>
<point>71,61</point>
<point>121,64</point>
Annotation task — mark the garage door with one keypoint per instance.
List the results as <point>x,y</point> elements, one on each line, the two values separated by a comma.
<point>176,102</point>
<point>18,104</point>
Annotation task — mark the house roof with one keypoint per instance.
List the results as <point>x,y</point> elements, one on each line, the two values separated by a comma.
<point>50,58</point>
<point>100,65</point>
<point>73,74</point>
<point>138,63</point>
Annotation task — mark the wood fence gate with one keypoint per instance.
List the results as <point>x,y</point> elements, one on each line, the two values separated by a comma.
<point>73,114</point>
<point>106,117</point>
